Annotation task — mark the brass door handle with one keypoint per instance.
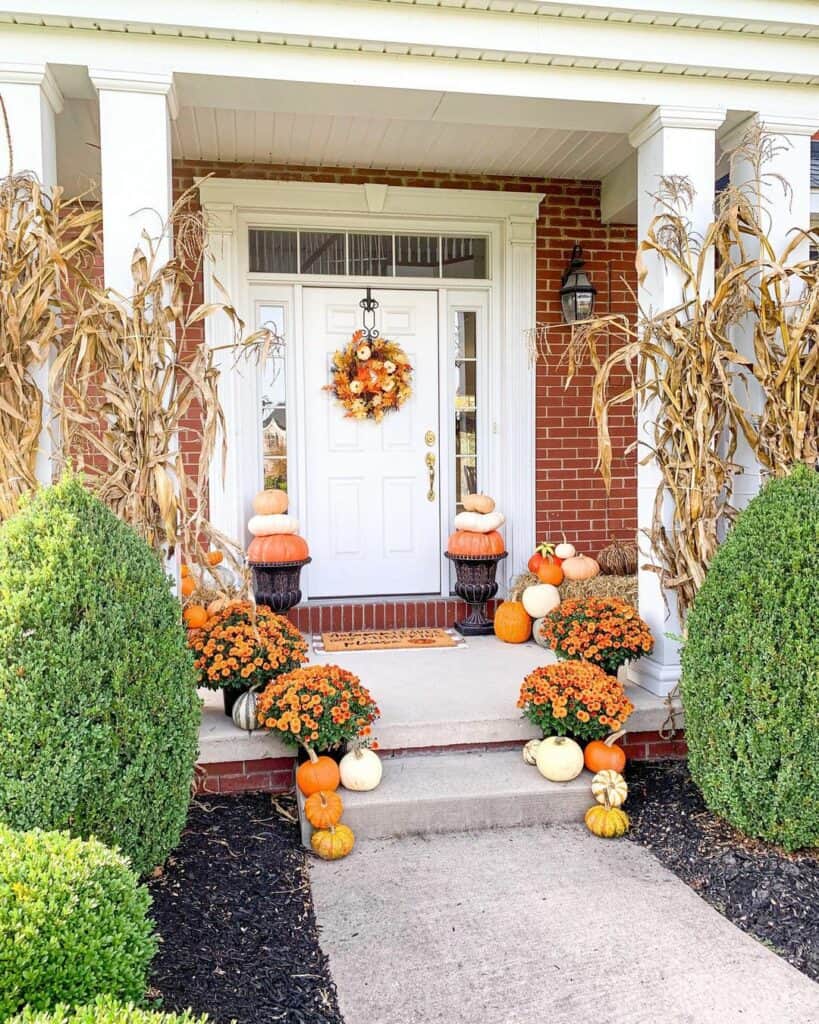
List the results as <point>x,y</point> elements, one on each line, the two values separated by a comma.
<point>430,461</point>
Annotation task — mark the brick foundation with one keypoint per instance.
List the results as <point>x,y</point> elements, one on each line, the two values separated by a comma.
<point>275,774</point>
<point>381,614</point>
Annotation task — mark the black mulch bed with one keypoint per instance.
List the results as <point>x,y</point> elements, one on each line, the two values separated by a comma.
<point>235,915</point>
<point>771,894</point>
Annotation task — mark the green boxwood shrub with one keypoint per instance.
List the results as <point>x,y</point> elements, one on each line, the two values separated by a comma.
<point>750,668</point>
<point>105,1011</point>
<point>99,714</point>
<point>73,922</point>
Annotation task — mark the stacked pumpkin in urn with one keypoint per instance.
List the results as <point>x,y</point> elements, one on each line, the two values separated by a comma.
<point>475,549</point>
<point>277,552</point>
<point>275,533</point>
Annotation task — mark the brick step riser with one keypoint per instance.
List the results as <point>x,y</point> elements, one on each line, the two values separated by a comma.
<point>275,775</point>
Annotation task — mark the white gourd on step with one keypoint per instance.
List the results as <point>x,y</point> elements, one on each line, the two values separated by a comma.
<point>360,770</point>
<point>540,599</point>
<point>559,759</point>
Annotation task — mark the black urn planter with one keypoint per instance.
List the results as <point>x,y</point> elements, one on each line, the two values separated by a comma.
<point>230,694</point>
<point>278,584</point>
<point>475,583</point>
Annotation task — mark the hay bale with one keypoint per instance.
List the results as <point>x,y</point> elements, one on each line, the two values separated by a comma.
<point>624,587</point>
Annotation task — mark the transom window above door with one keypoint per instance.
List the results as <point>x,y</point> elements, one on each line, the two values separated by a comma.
<point>360,254</point>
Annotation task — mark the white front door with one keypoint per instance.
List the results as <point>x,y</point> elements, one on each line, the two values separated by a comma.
<point>374,526</point>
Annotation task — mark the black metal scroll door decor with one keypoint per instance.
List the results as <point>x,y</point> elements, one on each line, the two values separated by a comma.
<point>369,305</point>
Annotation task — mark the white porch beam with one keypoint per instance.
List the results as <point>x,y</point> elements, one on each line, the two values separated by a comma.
<point>135,145</point>
<point>782,210</point>
<point>618,193</point>
<point>679,141</point>
<point>33,99</point>
<point>367,23</point>
<point>488,76</point>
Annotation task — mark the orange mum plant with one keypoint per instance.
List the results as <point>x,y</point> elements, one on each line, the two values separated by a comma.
<point>574,698</point>
<point>321,707</point>
<point>244,645</point>
<point>603,630</point>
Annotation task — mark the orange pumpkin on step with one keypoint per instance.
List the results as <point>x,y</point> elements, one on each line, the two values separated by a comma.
<point>278,547</point>
<point>323,809</point>
<point>195,616</point>
<point>512,623</point>
<point>475,545</point>
<point>317,774</point>
<point>603,755</point>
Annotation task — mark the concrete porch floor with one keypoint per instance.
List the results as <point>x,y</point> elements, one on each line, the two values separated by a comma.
<point>463,696</point>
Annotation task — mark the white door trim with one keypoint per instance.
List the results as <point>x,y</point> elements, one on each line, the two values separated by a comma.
<point>508,219</point>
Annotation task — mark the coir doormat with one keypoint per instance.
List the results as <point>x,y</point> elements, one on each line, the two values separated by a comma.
<point>388,640</point>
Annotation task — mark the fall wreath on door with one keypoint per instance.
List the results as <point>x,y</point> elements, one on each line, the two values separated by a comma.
<point>370,377</point>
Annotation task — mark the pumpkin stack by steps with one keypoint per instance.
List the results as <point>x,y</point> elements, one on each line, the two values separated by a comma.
<point>476,529</point>
<point>275,533</point>
<point>318,779</point>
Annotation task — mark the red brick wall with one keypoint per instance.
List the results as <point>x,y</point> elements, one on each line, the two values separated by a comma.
<point>571,498</point>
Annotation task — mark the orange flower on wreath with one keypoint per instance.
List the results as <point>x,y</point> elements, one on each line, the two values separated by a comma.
<point>370,377</point>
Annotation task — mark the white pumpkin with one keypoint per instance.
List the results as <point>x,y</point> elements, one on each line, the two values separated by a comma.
<point>559,759</point>
<point>244,712</point>
<point>565,550</point>
<point>479,522</point>
<point>267,526</point>
<point>360,769</point>
<point>609,786</point>
<point>530,751</point>
<point>540,599</point>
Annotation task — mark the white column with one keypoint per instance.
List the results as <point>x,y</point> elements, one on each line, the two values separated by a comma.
<point>135,143</point>
<point>33,99</point>
<point>670,141</point>
<point>781,210</point>
<point>517,374</point>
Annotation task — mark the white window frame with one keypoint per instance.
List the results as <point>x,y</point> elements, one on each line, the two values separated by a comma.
<point>505,303</point>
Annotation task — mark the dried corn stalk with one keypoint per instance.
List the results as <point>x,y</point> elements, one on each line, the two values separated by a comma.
<point>125,382</point>
<point>45,247</point>
<point>685,374</point>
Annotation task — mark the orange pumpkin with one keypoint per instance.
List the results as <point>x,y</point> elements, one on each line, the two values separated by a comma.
<point>278,547</point>
<point>185,571</point>
<point>317,774</point>
<point>188,586</point>
<point>215,557</point>
<point>195,616</point>
<point>549,572</point>
<point>270,503</point>
<point>512,623</point>
<point>603,755</point>
<point>323,809</point>
<point>475,545</point>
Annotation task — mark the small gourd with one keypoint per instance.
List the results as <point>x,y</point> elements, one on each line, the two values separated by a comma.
<point>559,759</point>
<point>195,616</point>
<point>323,809</point>
<point>606,822</point>
<point>538,636</point>
<point>540,599</point>
<point>360,770</point>
<point>270,526</point>
<point>478,503</point>
<point>565,550</point>
<point>609,786</point>
<point>479,522</point>
<point>601,755</point>
<point>244,712</point>
<point>332,843</point>
<point>530,751</point>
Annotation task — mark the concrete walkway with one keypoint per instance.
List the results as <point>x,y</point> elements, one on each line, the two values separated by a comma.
<point>531,924</point>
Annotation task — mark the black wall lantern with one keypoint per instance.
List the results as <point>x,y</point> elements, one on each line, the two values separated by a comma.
<point>577,292</point>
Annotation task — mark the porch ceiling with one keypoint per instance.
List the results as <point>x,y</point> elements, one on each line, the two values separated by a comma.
<point>403,129</point>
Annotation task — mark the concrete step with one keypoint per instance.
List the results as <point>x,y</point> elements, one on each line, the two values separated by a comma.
<point>458,792</point>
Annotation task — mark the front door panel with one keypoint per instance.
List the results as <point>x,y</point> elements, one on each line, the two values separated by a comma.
<point>372,528</point>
